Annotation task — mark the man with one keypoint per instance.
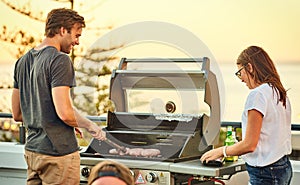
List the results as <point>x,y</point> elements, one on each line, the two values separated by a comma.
<point>41,99</point>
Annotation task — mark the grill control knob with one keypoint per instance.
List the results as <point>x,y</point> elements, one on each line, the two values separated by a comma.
<point>151,177</point>
<point>85,172</point>
<point>170,107</point>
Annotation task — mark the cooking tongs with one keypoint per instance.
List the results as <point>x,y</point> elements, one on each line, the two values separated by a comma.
<point>115,145</point>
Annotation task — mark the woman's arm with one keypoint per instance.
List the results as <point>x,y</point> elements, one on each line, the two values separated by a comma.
<point>248,144</point>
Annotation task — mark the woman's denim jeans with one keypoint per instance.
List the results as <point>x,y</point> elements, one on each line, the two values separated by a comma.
<point>278,173</point>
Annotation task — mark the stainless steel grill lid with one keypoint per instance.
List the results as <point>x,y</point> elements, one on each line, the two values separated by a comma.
<point>167,104</point>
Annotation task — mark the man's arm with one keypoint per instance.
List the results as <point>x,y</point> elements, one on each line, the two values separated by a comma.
<point>69,114</point>
<point>63,105</point>
<point>15,102</point>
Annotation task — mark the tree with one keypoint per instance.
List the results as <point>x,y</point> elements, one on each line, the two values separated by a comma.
<point>92,97</point>
<point>93,73</point>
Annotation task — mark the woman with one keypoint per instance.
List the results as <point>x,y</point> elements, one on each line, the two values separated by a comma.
<point>266,122</point>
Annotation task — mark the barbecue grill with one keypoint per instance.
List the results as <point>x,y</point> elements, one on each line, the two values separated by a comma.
<point>167,105</point>
<point>163,104</point>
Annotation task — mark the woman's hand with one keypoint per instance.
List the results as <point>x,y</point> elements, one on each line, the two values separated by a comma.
<point>212,155</point>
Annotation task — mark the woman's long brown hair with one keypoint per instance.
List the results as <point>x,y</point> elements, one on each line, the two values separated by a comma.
<point>264,70</point>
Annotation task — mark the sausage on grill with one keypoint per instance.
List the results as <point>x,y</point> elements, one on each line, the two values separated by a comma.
<point>150,153</point>
<point>118,152</point>
<point>137,152</point>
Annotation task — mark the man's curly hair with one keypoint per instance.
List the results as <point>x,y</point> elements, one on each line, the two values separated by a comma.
<point>62,17</point>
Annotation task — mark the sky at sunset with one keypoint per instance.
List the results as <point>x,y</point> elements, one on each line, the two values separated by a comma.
<point>225,26</point>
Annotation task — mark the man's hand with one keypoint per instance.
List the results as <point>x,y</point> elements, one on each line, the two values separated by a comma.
<point>97,132</point>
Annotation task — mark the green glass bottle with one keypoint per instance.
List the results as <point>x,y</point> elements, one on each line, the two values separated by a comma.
<point>228,142</point>
<point>235,158</point>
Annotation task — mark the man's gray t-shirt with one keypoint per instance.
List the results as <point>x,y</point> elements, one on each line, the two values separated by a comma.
<point>36,73</point>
